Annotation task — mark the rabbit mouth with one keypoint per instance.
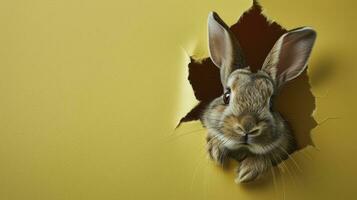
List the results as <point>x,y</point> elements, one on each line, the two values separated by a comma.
<point>251,147</point>
<point>243,141</point>
<point>236,144</point>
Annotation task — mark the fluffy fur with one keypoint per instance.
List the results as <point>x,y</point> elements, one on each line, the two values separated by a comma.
<point>245,126</point>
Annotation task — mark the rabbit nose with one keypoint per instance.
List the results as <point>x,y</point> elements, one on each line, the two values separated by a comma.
<point>254,132</point>
<point>248,132</point>
<point>248,122</point>
<point>242,133</point>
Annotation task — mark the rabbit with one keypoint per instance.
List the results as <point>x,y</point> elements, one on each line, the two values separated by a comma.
<point>242,123</point>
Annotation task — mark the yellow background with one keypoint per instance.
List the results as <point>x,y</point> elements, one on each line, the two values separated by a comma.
<point>90,93</point>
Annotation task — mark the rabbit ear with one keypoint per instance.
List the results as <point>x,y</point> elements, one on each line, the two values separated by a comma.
<point>288,57</point>
<point>224,48</point>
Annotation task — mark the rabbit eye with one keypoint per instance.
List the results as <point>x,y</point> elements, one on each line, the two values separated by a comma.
<point>226,96</point>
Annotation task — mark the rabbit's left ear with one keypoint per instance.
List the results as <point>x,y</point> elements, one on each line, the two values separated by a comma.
<point>288,57</point>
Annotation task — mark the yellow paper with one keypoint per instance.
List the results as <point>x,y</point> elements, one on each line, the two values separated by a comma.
<point>91,92</point>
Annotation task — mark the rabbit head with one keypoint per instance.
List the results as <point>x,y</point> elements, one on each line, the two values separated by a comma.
<point>244,116</point>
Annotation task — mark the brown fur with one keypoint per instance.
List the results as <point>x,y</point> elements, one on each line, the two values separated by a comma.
<point>247,126</point>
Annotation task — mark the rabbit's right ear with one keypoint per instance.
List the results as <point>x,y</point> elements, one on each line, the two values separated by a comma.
<point>224,48</point>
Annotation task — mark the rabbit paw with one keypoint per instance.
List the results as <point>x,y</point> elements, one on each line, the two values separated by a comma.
<point>216,152</point>
<point>251,169</point>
